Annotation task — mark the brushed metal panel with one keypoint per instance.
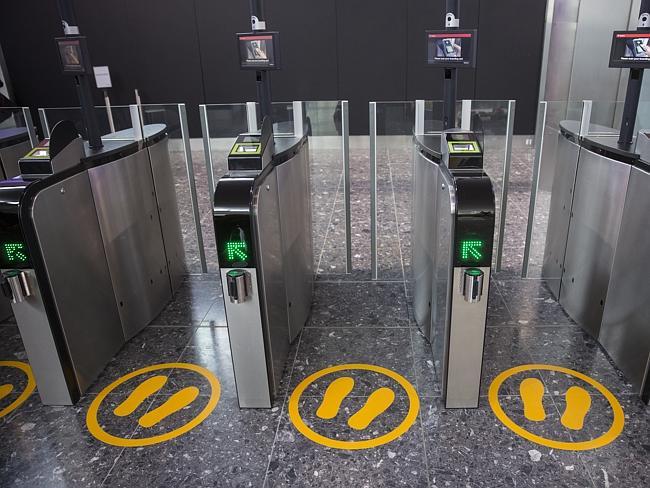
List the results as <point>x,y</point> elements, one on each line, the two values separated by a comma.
<point>246,337</point>
<point>294,198</point>
<point>423,249</point>
<point>591,78</point>
<point>271,277</point>
<point>71,243</point>
<point>9,157</point>
<point>163,179</point>
<point>441,292</point>
<point>561,48</point>
<point>593,232</point>
<point>625,331</point>
<point>466,338</point>
<point>566,165</point>
<point>39,345</point>
<point>128,217</point>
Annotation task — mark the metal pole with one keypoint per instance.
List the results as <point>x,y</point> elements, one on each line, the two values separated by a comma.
<point>109,111</point>
<point>263,80</point>
<point>506,180</point>
<point>373,190</point>
<point>345,145</point>
<point>29,123</point>
<point>191,180</point>
<point>205,130</point>
<point>634,85</point>
<point>419,118</point>
<point>82,82</point>
<point>452,21</point>
<point>540,128</point>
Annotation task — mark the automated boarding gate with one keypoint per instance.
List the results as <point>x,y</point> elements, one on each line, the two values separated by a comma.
<point>262,219</point>
<point>90,251</point>
<point>453,233</point>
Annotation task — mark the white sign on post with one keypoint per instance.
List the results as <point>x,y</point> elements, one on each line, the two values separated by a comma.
<point>102,77</point>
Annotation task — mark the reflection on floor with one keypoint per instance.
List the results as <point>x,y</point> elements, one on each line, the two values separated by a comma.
<point>354,321</point>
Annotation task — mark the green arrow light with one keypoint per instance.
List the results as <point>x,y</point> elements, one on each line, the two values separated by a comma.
<point>237,251</point>
<point>471,250</point>
<point>15,252</point>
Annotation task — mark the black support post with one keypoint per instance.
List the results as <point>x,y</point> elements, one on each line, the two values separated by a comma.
<point>633,91</point>
<point>263,79</point>
<point>450,82</point>
<point>82,82</point>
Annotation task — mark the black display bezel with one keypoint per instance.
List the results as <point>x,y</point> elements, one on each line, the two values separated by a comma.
<point>465,61</point>
<point>273,60</point>
<point>83,67</point>
<point>617,50</point>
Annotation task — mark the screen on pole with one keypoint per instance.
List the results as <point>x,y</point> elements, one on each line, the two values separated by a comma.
<point>630,49</point>
<point>451,48</point>
<point>259,51</point>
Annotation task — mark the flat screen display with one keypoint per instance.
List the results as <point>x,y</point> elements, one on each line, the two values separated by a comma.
<point>630,49</point>
<point>71,54</point>
<point>259,51</point>
<point>451,48</point>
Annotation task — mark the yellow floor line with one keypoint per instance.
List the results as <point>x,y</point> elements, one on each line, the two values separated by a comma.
<point>377,403</point>
<point>532,394</point>
<point>5,390</point>
<point>174,403</point>
<point>578,403</point>
<point>143,391</point>
<point>334,396</point>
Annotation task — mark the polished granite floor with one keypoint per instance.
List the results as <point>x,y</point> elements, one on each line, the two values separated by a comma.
<point>354,320</point>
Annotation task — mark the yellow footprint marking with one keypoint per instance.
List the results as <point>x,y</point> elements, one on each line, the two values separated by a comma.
<point>578,403</point>
<point>174,403</point>
<point>334,396</point>
<point>143,391</point>
<point>5,390</point>
<point>377,403</point>
<point>532,393</point>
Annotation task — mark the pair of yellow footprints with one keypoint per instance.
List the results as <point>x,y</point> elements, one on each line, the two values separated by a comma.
<point>146,389</point>
<point>578,403</point>
<point>377,403</point>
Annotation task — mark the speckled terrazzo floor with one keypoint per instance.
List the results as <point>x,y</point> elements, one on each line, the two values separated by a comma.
<point>354,320</point>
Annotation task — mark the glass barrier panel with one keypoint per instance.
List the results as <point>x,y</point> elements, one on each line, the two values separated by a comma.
<point>121,117</point>
<point>324,127</point>
<point>11,118</point>
<point>395,122</point>
<point>569,114</point>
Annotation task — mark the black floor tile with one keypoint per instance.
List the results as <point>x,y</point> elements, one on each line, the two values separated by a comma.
<point>298,461</point>
<point>190,303</point>
<point>531,303</point>
<point>363,304</point>
<point>472,448</point>
<point>154,345</point>
<point>322,348</point>
<point>230,448</point>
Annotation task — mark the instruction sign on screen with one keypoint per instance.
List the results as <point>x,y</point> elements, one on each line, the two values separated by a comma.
<point>73,54</point>
<point>259,51</point>
<point>451,48</point>
<point>630,49</point>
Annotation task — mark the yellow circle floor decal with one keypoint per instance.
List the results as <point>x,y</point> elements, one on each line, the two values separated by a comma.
<point>377,403</point>
<point>144,390</point>
<point>7,389</point>
<point>578,404</point>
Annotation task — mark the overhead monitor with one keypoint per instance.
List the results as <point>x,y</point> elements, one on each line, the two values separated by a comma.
<point>259,50</point>
<point>73,53</point>
<point>451,48</point>
<point>630,49</point>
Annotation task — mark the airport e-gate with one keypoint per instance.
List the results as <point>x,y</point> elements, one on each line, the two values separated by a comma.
<point>453,230</point>
<point>262,220</point>
<point>91,247</point>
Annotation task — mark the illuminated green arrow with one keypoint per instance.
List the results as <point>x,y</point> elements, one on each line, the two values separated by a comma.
<point>237,250</point>
<point>15,252</point>
<point>471,250</point>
